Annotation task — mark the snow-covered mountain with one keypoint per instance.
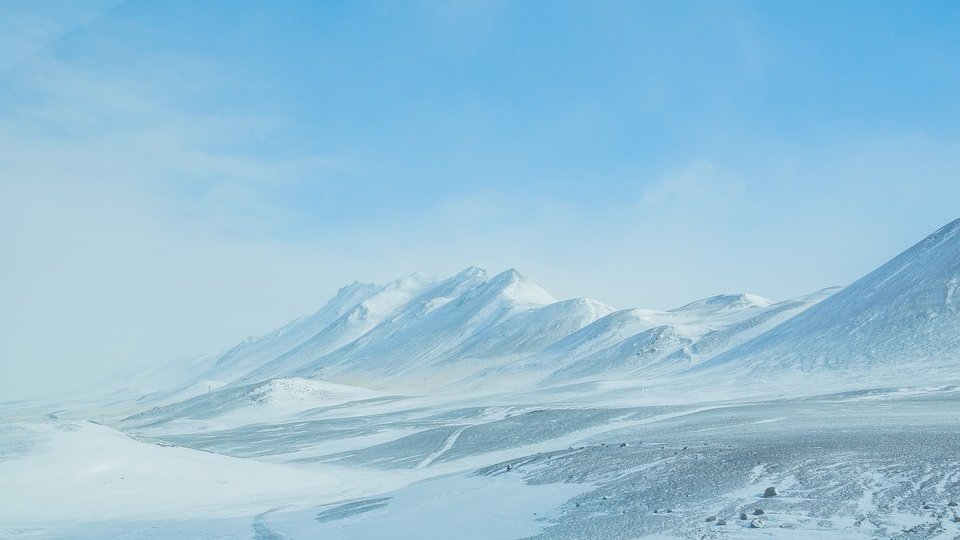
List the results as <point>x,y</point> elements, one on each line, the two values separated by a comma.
<point>505,330</point>
<point>903,316</point>
<point>391,399</point>
<point>474,329</point>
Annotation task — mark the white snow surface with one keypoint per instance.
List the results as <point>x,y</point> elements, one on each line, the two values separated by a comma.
<point>901,316</point>
<point>82,471</point>
<point>294,392</point>
<point>482,406</point>
<point>473,330</point>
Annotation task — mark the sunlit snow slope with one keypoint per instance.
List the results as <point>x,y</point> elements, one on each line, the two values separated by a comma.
<point>478,331</point>
<point>514,414</point>
<point>903,316</point>
<point>472,329</point>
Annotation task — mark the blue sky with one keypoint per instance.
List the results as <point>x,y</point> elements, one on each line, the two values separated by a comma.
<point>175,176</point>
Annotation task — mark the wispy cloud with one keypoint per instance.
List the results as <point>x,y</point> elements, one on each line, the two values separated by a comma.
<point>122,208</point>
<point>27,28</point>
<point>698,185</point>
<point>166,189</point>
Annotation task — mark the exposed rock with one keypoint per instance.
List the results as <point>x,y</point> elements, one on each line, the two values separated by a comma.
<point>756,524</point>
<point>758,512</point>
<point>721,522</point>
<point>743,516</point>
<point>952,503</point>
<point>712,518</point>
<point>771,492</point>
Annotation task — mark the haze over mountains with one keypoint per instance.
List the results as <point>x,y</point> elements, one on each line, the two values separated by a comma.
<point>489,392</point>
<point>473,330</point>
<point>480,330</point>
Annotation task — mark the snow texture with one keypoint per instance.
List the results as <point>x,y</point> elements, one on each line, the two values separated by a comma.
<point>483,406</point>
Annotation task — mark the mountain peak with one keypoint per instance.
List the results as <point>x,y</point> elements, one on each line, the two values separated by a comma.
<point>512,285</point>
<point>352,288</point>
<point>471,272</point>
<point>508,275</point>
<point>414,281</point>
<point>725,302</point>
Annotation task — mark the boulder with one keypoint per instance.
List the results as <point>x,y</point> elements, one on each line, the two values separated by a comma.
<point>756,524</point>
<point>770,492</point>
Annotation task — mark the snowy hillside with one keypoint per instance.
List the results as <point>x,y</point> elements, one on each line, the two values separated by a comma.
<point>273,400</point>
<point>653,343</point>
<point>481,331</point>
<point>488,333</point>
<point>903,316</point>
<point>482,406</point>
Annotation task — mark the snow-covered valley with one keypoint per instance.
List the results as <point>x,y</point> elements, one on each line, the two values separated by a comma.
<point>483,406</point>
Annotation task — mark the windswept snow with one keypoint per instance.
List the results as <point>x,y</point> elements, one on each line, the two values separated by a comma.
<point>484,406</point>
<point>81,471</point>
<point>472,331</point>
<point>898,317</point>
<point>306,393</point>
<point>726,302</point>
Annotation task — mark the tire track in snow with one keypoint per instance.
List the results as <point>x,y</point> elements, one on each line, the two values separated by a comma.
<point>447,444</point>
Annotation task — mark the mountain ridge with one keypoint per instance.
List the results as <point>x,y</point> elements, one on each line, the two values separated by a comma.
<point>903,313</point>
<point>500,330</point>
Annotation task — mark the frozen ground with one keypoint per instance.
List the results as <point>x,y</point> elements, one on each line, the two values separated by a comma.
<point>868,464</point>
<point>483,407</point>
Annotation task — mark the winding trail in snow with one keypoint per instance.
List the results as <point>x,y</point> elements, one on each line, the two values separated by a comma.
<point>447,444</point>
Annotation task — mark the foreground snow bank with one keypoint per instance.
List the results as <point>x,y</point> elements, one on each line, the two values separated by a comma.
<point>88,472</point>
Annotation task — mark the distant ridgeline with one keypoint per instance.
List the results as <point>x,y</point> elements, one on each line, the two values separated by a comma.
<point>472,330</point>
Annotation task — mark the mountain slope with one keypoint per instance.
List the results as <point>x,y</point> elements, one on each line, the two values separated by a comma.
<point>904,314</point>
<point>481,331</point>
<point>650,343</point>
